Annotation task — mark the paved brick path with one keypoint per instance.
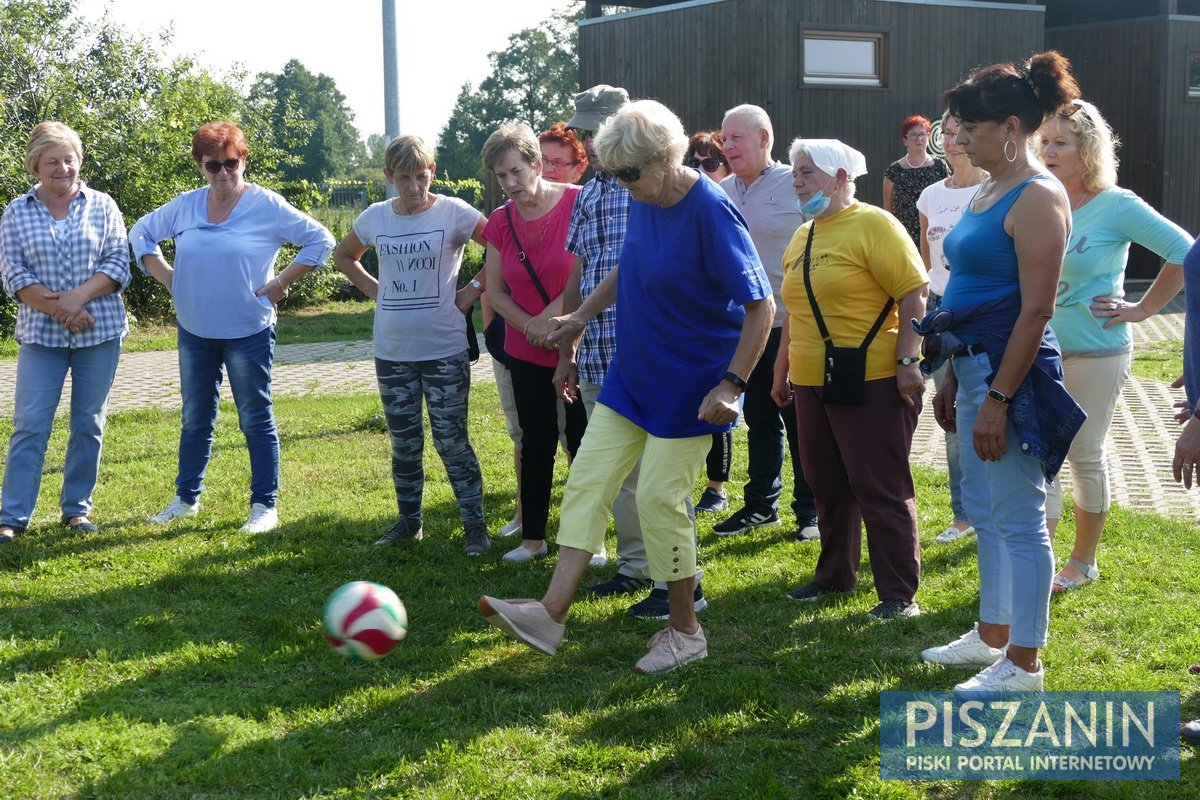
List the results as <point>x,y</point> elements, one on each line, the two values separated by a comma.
<point>1141,441</point>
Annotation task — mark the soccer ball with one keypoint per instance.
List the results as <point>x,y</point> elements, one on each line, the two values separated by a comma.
<point>364,620</point>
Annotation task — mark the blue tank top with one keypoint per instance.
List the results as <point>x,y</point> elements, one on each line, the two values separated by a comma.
<point>981,254</point>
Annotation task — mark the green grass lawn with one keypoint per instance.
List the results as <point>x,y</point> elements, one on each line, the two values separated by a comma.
<point>1162,361</point>
<point>188,661</point>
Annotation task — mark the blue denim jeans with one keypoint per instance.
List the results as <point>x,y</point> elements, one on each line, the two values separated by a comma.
<point>41,372</point>
<point>248,362</point>
<point>772,433</point>
<point>1006,502</point>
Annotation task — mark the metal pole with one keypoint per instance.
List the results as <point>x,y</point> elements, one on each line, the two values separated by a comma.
<point>391,77</point>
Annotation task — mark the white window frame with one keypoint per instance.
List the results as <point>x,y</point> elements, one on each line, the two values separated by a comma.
<point>826,78</point>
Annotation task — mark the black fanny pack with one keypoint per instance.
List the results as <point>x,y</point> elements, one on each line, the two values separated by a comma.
<point>845,367</point>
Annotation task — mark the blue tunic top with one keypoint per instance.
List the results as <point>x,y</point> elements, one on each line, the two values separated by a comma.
<point>685,273</point>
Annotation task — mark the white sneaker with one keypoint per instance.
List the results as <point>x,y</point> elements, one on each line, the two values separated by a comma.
<point>599,559</point>
<point>262,519</point>
<point>1004,676</point>
<point>967,650</point>
<point>176,510</point>
<point>953,533</point>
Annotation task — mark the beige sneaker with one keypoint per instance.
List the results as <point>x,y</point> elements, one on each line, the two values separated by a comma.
<point>525,620</point>
<point>671,648</point>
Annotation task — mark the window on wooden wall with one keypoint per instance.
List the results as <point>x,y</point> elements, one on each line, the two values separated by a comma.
<point>1194,74</point>
<point>844,58</point>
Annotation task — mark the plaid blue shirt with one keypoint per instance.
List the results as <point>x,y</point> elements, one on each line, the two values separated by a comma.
<point>596,235</point>
<point>32,251</point>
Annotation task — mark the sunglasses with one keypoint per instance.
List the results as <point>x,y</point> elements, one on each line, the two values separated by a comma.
<point>230,164</point>
<point>708,163</point>
<point>627,174</point>
<point>582,133</point>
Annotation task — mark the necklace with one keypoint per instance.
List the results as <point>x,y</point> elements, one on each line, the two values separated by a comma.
<point>1083,199</point>
<point>911,165</point>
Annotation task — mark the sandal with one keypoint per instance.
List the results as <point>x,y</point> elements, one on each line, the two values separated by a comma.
<point>10,532</point>
<point>1062,583</point>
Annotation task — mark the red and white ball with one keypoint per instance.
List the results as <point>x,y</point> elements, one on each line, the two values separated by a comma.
<point>364,620</point>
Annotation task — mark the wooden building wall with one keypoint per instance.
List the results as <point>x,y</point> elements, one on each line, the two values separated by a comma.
<point>1181,129</point>
<point>702,58</point>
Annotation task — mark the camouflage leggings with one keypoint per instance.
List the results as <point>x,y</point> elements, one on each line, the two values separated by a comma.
<point>445,383</point>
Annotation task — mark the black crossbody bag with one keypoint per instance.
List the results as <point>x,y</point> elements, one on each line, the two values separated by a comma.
<point>494,333</point>
<point>845,367</point>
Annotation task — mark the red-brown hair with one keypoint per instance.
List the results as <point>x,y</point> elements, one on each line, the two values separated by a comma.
<point>912,122</point>
<point>558,134</point>
<point>214,137</point>
<point>707,143</point>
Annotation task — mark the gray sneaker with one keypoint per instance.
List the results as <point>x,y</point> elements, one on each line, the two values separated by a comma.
<point>671,648</point>
<point>405,530</point>
<point>476,541</point>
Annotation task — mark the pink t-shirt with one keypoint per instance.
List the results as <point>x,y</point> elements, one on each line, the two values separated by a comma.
<point>544,240</point>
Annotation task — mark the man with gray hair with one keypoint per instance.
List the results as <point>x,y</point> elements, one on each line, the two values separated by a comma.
<point>761,188</point>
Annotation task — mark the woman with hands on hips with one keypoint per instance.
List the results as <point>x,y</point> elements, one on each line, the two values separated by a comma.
<point>1079,148</point>
<point>64,258</point>
<point>694,308</point>
<point>224,289</point>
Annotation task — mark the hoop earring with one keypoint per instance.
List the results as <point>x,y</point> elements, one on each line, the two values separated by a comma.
<point>1013,157</point>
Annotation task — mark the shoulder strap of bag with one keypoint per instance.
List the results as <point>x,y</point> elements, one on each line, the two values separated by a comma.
<point>812,300</point>
<point>524,258</point>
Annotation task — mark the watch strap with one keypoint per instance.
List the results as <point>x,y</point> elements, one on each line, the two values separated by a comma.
<point>736,380</point>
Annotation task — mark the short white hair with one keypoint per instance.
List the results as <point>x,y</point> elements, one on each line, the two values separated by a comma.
<point>757,116</point>
<point>641,133</point>
<point>798,149</point>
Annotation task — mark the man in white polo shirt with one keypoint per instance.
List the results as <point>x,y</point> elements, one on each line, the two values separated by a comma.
<point>761,188</point>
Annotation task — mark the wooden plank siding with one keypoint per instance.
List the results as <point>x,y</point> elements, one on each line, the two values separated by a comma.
<point>703,59</point>
<point>1181,129</point>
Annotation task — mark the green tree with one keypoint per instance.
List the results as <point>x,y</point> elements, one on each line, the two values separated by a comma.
<point>134,114</point>
<point>534,80</point>
<point>310,120</point>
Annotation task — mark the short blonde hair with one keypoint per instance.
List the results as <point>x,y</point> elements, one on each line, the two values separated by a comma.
<point>641,133</point>
<point>511,136</point>
<point>1097,143</point>
<point>47,136</point>
<point>409,154</point>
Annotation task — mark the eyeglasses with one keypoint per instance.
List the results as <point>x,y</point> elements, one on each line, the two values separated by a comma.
<point>558,163</point>
<point>230,164</point>
<point>917,135</point>
<point>627,174</point>
<point>582,133</point>
<point>1074,107</point>
<point>708,163</point>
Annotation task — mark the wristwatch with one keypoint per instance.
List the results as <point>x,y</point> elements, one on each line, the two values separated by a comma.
<point>736,380</point>
<point>908,361</point>
<point>999,396</point>
<point>476,284</point>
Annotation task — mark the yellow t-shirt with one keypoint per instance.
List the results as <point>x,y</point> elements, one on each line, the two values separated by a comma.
<point>861,256</point>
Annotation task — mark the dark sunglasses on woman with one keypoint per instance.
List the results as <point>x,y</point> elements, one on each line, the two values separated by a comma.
<point>230,164</point>
<point>708,163</point>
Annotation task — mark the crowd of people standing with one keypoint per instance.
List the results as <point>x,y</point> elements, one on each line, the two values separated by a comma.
<point>691,283</point>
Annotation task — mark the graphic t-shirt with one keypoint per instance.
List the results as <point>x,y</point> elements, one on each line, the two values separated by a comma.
<point>942,207</point>
<point>419,257</point>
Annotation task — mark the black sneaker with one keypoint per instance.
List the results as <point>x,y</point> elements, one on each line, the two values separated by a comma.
<point>806,529</point>
<point>712,501</point>
<point>658,606</point>
<point>746,520</point>
<point>618,584</point>
<point>404,530</point>
<point>476,541</point>
<point>808,592</point>
<point>893,608</point>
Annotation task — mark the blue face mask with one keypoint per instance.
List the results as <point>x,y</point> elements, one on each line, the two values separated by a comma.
<point>815,206</point>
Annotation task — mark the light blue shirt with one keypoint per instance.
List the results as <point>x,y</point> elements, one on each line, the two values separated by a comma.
<point>61,255</point>
<point>219,267</point>
<point>1094,266</point>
